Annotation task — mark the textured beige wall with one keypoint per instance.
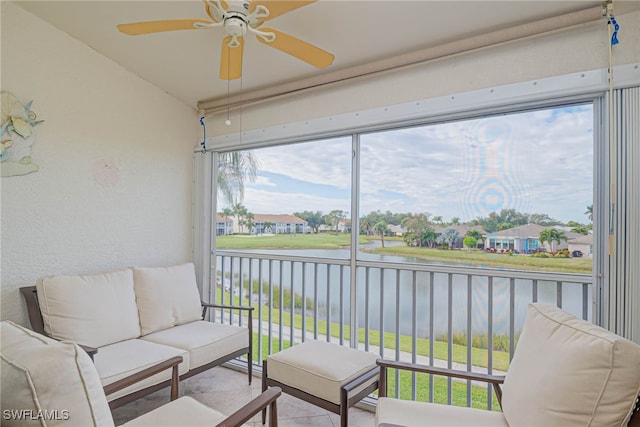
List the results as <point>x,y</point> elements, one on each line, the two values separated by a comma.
<point>578,49</point>
<point>115,158</point>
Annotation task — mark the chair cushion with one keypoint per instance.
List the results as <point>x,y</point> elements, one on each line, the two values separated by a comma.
<point>320,368</point>
<point>166,296</point>
<point>185,411</point>
<point>93,310</point>
<point>47,382</point>
<point>205,341</point>
<point>420,414</point>
<point>570,372</point>
<point>125,358</point>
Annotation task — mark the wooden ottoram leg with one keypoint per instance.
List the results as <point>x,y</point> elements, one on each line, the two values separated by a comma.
<point>264,388</point>
<point>344,407</point>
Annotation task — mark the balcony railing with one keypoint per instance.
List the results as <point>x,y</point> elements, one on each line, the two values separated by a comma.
<point>455,317</point>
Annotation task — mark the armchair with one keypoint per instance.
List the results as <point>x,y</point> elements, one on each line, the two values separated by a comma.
<point>565,372</point>
<point>52,383</point>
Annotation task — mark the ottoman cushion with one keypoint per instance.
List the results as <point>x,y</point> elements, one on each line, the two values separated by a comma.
<point>320,368</point>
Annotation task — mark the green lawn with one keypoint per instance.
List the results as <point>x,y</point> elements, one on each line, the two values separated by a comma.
<point>440,351</point>
<point>286,241</point>
<point>476,258</point>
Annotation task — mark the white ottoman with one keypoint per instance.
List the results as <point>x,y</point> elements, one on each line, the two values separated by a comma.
<point>327,375</point>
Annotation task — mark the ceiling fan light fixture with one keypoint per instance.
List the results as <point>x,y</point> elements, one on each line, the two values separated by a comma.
<point>235,25</point>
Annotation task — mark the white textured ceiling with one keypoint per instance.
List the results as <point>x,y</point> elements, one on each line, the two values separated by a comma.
<point>185,63</point>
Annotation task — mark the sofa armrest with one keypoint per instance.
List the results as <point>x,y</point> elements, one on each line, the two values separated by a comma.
<point>248,308</point>
<point>30,295</point>
<point>494,380</point>
<point>91,351</point>
<point>244,414</point>
<point>148,372</point>
<point>227,306</point>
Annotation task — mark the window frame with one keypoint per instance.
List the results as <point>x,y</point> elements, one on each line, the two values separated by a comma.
<point>554,92</point>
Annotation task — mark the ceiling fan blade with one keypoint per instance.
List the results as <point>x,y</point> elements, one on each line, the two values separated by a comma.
<point>138,28</point>
<point>300,49</point>
<point>279,7</point>
<point>231,60</point>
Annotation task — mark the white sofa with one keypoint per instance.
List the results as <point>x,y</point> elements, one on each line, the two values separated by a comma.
<point>50,383</point>
<point>136,318</point>
<point>565,372</point>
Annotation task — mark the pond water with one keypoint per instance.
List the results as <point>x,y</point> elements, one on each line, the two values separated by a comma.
<point>386,297</point>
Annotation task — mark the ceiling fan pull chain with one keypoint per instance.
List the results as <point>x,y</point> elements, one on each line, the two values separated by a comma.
<point>203,144</point>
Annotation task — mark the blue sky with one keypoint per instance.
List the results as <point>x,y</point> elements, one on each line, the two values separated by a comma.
<point>536,162</point>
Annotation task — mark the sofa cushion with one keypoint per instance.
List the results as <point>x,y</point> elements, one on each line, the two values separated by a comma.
<point>570,372</point>
<point>205,341</point>
<point>124,358</point>
<point>185,411</point>
<point>47,382</point>
<point>166,296</point>
<point>93,310</point>
<point>420,414</point>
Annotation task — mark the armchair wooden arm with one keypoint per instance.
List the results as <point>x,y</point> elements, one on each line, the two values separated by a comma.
<point>635,415</point>
<point>494,380</point>
<point>148,372</point>
<point>244,414</point>
<point>206,305</point>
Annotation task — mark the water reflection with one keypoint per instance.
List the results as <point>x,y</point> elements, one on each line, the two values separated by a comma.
<point>403,301</point>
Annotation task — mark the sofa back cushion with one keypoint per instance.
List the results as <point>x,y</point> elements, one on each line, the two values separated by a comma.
<point>166,296</point>
<point>48,383</point>
<point>93,310</point>
<point>570,372</point>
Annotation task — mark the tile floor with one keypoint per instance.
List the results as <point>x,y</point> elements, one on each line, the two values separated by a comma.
<point>226,390</point>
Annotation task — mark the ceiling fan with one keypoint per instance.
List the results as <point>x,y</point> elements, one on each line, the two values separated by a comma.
<point>238,17</point>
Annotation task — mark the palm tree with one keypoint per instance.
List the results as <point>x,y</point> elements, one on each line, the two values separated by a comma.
<point>448,237</point>
<point>545,236</point>
<point>589,212</point>
<point>552,235</point>
<point>239,211</point>
<point>381,228</point>
<point>249,221</point>
<point>235,168</point>
<point>557,236</point>
<point>226,213</point>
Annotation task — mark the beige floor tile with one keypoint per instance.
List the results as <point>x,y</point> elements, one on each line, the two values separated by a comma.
<point>317,421</point>
<point>227,390</point>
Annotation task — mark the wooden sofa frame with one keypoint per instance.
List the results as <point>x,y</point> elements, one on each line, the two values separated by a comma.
<point>494,380</point>
<point>30,295</point>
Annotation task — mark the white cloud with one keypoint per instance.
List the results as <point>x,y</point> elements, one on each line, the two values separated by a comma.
<point>264,181</point>
<point>261,201</point>
<point>539,161</point>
